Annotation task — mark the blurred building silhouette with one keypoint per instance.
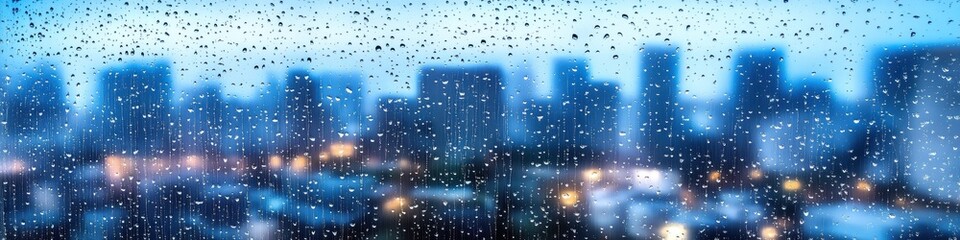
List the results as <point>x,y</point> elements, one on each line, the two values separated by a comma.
<point>321,109</point>
<point>396,129</point>
<point>659,109</point>
<point>342,95</point>
<point>200,123</point>
<point>135,109</point>
<point>254,126</point>
<point>758,92</point>
<point>253,131</point>
<point>36,120</point>
<point>786,154</point>
<point>813,136</point>
<point>918,106</point>
<point>669,140</point>
<point>303,114</point>
<point>36,102</point>
<point>541,122</point>
<point>463,109</point>
<point>887,113</point>
<point>33,157</point>
<point>587,109</point>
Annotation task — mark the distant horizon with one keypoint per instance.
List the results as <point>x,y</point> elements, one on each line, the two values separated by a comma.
<point>539,93</point>
<point>223,42</point>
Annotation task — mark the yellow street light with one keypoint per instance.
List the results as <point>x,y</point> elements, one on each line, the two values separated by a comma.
<point>300,164</point>
<point>569,198</point>
<point>864,186</point>
<point>342,150</point>
<point>592,175</point>
<point>395,205</point>
<point>769,233</point>
<point>275,162</point>
<point>673,231</point>
<point>792,185</point>
<point>714,176</point>
<point>756,174</point>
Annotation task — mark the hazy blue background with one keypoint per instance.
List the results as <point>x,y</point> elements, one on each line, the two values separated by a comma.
<point>821,39</point>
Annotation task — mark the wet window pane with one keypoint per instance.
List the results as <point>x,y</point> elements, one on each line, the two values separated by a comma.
<point>479,120</point>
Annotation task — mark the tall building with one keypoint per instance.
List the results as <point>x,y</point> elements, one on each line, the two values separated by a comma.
<point>540,122</point>
<point>571,84</point>
<point>36,113</point>
<point>342,95</point>
<point>917,98</point>
<point>659,109</point>
<point>255,125</point>
<point>201,121</point>
<point>32,157</point>
<point>305,118</point>
<point>803,134</point>
<point>587,109</point>
<point>669,140</point>
<point>463,107</point>
<point>895,82</point>
<point>35,102</point>
<point>252,131</point>
<point>395,128</point>
<point>135,109</point>
<point>601,108</point>
<point>518,89</point>
<point>758,92</point>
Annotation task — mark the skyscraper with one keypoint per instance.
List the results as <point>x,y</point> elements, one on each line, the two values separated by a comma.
<point>35,102</point>
<point>396,133</point>
<point>201,121</point>
<point>601,108</point>
<point>135,109</point>
<point>758,92</point>
<point>803,134</point>
<point>302,110</point>
<point>32,156</point>
<point>36,117</point>
<point>341,94</point>
<point>586,111</point>
<point>919,93</point>
<point>659,109</point>
<point>463,107</point>
<point>571,85</point>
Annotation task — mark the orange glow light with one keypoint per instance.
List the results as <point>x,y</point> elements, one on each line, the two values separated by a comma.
<point>342,150</point>
<point>300,164</point>
<point>674,231</point>
<point>592,175</point>
<point>117,168</point>
<point>193,162</point>
<point>864,186</point>
<point>395,205</point>
<point>568,198</point>
<point>756,174</point>
<point>769,233</point>
<point>275,162</point>
<point>13,167</point>
<point>792,185</point>
<point>714,176</point>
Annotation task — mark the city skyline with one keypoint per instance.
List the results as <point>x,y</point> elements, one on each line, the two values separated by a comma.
<point>477,153</point>
<point>481,120</point>
<point>832,40</point>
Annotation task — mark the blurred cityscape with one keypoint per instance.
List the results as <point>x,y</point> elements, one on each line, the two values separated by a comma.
<point>473,157</point>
